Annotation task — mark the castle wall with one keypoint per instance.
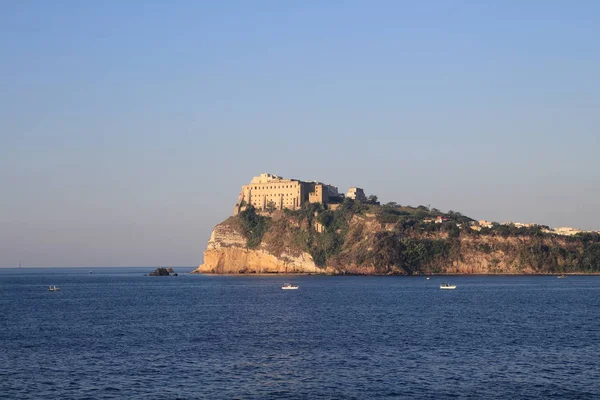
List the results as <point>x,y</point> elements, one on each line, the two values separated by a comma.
<point>356,194</point>
<point>318,195</point>
<point>283,193</point>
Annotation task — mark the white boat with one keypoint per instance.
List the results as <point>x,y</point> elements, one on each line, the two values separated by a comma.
<point>53,289</point>
<point>561,276</point>
<point>289,286</point>
<point>447,286</point>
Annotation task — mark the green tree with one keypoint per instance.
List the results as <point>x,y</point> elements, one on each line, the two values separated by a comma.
<point>372,199</point>
<point>326,218</point>
<point>271,207</point>
<point>451,228</point>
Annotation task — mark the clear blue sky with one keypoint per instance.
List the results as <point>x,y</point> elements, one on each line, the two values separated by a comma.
<point>127,128</point>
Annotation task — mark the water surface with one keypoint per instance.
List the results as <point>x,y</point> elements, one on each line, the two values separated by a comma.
<point>116,333</point>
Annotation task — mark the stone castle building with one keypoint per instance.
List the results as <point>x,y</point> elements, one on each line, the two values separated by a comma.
<point>272,190</point>
<point>355,193</point>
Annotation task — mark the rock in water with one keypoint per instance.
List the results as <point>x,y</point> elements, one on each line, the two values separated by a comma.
<point>160,271</point>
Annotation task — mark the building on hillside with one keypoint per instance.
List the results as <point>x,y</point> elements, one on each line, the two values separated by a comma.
<point>268,190</point>
<point>518,224</point>
<point>355,193</point>
<point>566,231</point>
<point>485,224</point>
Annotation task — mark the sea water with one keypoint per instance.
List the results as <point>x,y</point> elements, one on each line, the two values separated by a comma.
<point>116,333</point>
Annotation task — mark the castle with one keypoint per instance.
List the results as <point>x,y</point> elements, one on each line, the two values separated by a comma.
<point>272,191</point>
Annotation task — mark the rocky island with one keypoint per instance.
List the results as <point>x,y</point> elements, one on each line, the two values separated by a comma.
<point>292,226</point>
<point>161,271</point>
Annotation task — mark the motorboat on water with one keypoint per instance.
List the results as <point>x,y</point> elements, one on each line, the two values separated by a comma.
<point>447,286</point>
<point>53,289</point>
<point>289,286</point>
<point>561,276</point>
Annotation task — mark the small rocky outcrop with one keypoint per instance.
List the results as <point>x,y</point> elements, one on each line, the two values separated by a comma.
<point>160,271</point>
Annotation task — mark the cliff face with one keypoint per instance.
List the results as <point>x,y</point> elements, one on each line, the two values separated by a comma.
<point>227,253</point>
<point>359,239</point>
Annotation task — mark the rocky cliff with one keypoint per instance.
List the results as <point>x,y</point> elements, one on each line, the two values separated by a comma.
<point>363,239</point>
<point>227,253</point>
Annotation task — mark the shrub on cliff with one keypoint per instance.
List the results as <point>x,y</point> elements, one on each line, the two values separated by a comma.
<point>253,226</point>
<point>299,232</point>
<point>590,260</point>
<point>389,215</point>
<point>391,252</point>
<point>387,251</point>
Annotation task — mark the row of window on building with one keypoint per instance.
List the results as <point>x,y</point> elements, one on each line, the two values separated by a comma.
<point>274,187</point>
<point>269,195</point>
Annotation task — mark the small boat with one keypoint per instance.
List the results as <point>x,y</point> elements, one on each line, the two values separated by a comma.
<point>53,289</point>
<point>561,276</point>
<point>447,286</point>
<point>289,286</point>
<point>427,278</point>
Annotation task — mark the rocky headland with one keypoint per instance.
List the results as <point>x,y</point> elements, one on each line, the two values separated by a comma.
<point>354,237</point>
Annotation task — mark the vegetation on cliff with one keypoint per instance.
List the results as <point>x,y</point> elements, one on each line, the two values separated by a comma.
<point>253,226</point>
<point>391,239</point>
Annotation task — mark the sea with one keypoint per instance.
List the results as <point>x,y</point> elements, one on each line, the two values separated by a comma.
<point>115,333</point>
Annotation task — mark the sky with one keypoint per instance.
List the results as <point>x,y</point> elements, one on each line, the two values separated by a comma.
<point>127,128</point>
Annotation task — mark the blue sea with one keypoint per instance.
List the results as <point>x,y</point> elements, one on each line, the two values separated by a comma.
<point>116,334</point>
